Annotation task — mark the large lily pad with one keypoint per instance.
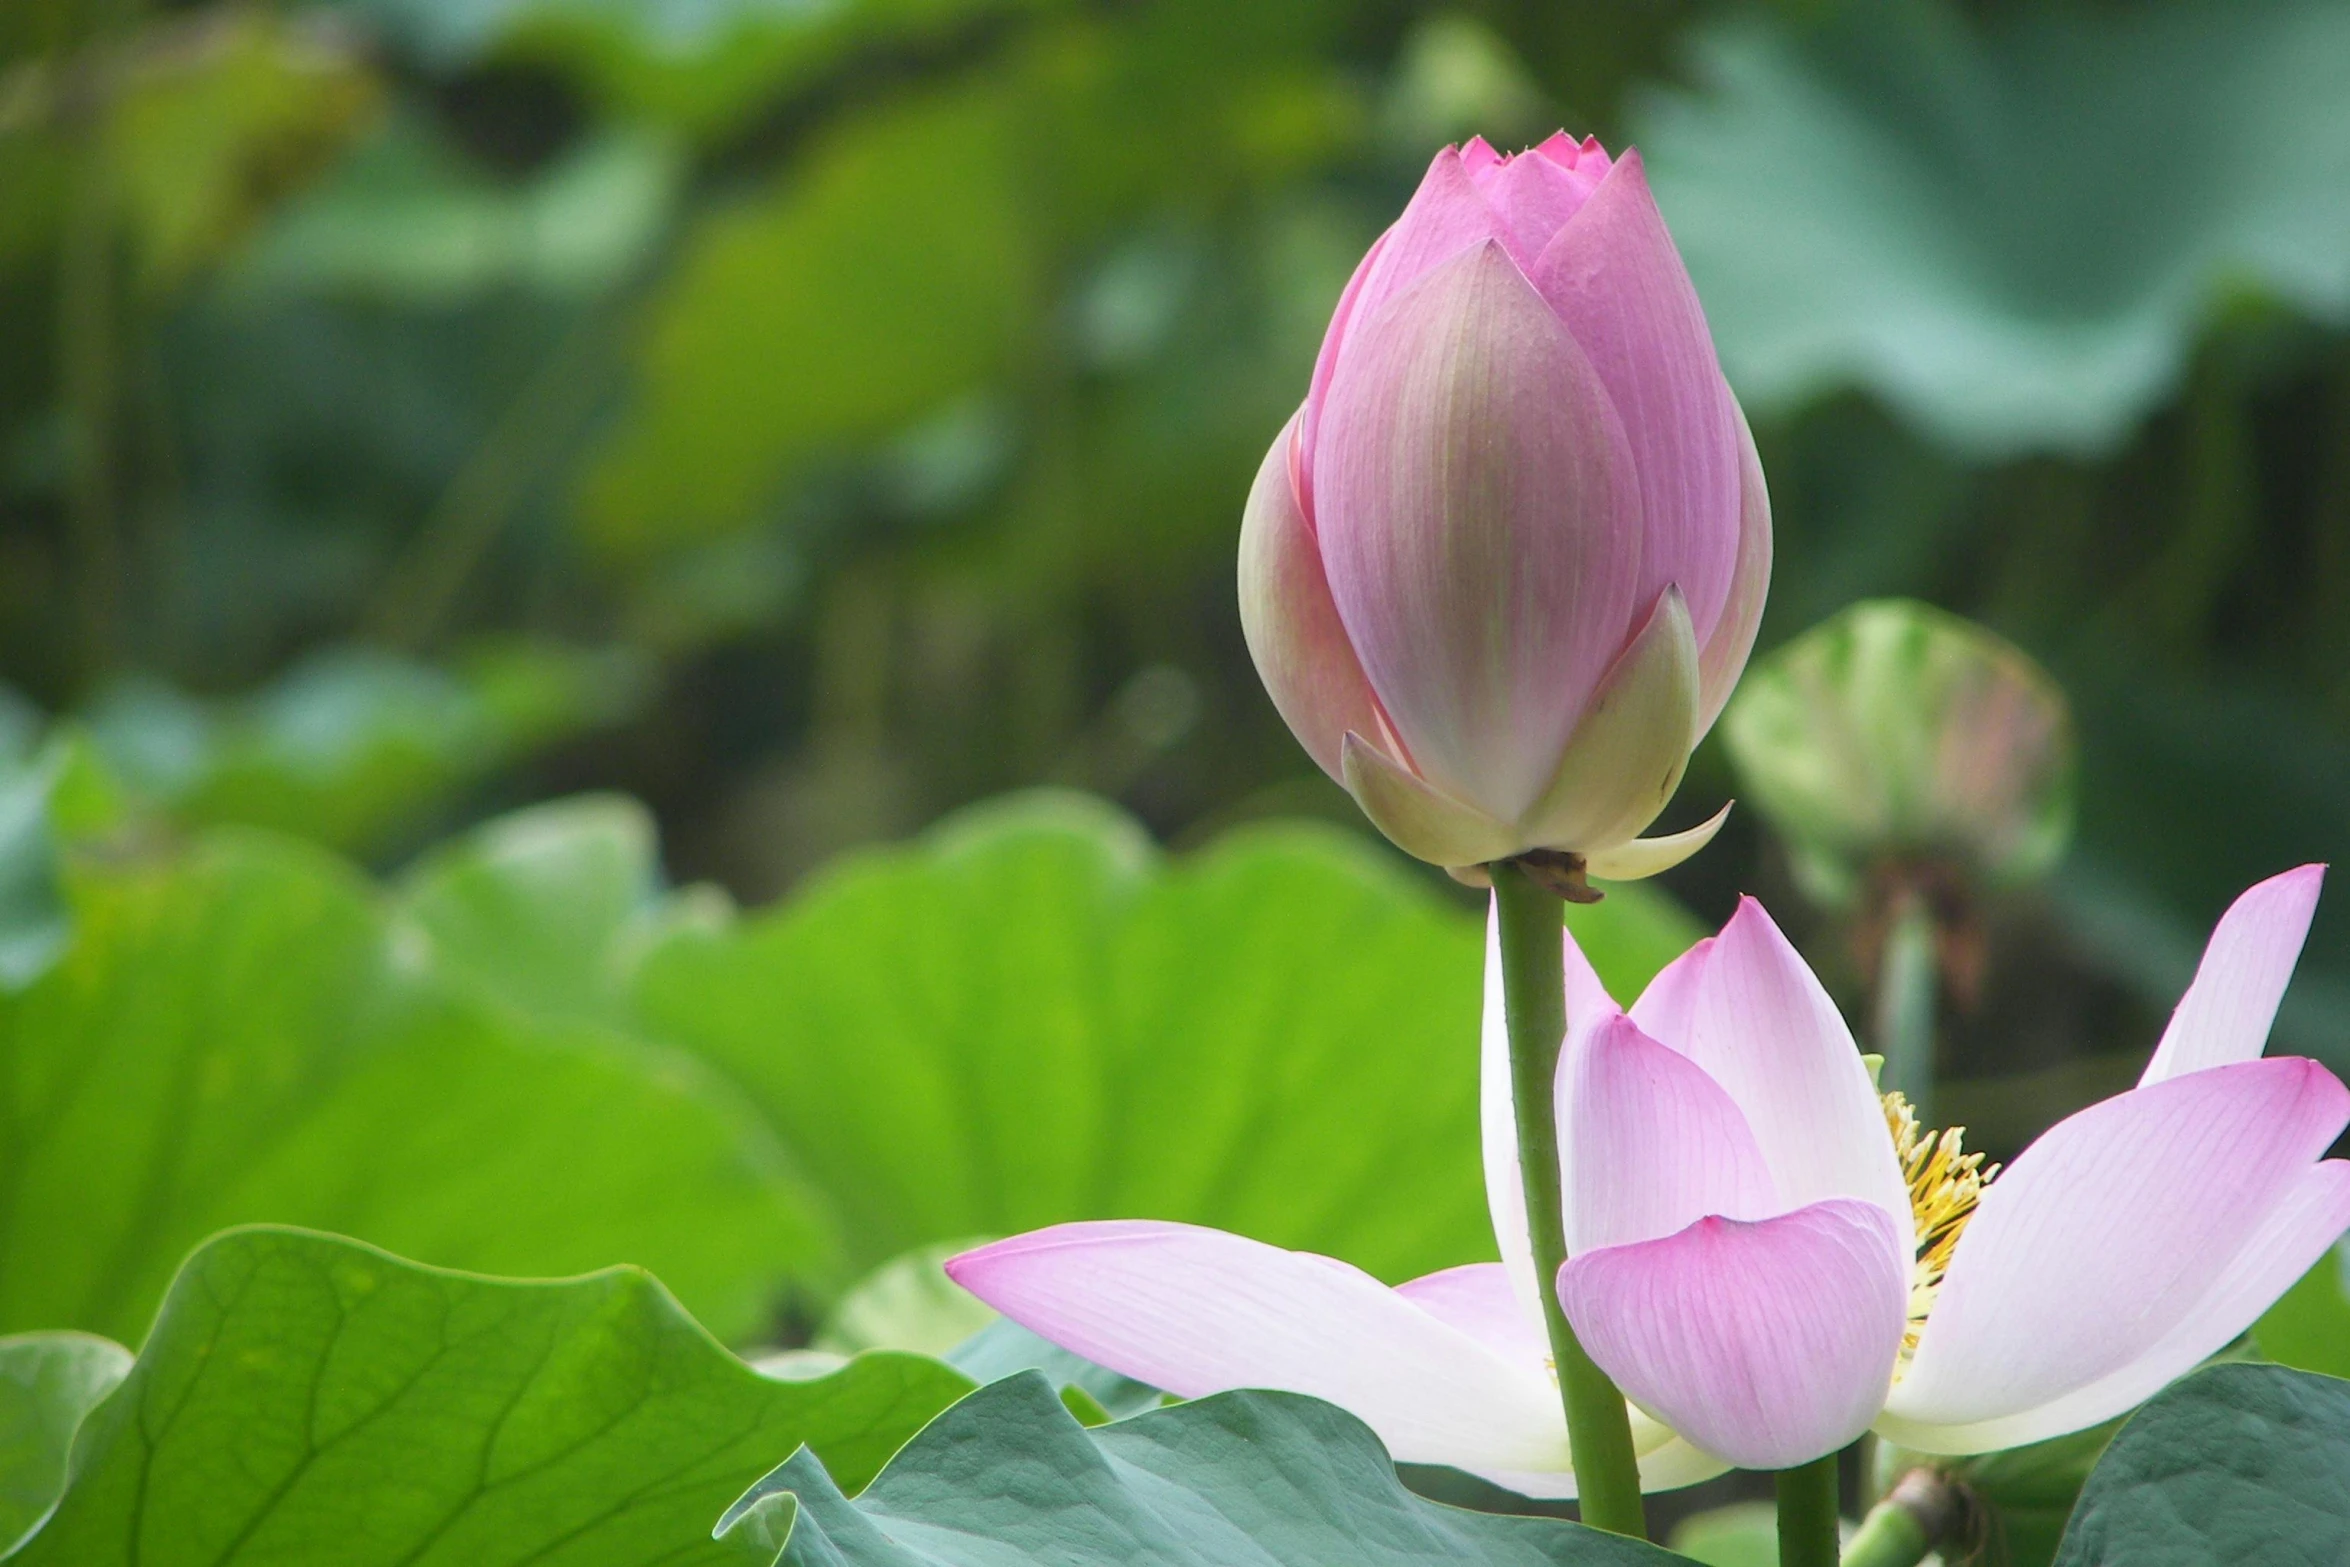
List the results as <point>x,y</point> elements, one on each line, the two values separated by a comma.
<point>2236,1464</point>
<point>304,1398</point>
<point>1009,1478</point>
<point>48,1382</point>
<point>547,909</point>
<point>1986,227</point>
<point>239,1035</point>
<point>1031,1016</point>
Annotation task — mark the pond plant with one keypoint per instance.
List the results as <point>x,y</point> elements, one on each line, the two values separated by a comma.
<point>1500,572</point>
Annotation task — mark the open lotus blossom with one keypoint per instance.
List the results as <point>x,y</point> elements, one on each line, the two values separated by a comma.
<point>1756,1262</point>
<point>1502,568</point>
<point>1453,1368</point>
<point>1766,1255</point>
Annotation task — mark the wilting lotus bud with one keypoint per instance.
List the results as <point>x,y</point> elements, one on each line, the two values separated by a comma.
<point>1501,570</point>
<point>1894,731</point>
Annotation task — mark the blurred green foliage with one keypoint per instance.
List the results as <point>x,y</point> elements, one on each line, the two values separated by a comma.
<point>812,418</point>
<point>245,1032</point>
<point>531,1055</point>
<point>2310,1327</point>
<point>2014,233</point>
<point>1743,1534</point>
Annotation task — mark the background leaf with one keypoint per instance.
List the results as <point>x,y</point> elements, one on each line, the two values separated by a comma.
<point>907,1303</point>
<point>35,923</point>
<point>894,260</point>
<point>2309,1326</point>
<point>237,1036</point>
<point>355,747</point>
<point>1744,1534</point>
<point>1028,1016</point>
<point>1632,933</point>
<point>206,138</point>
<point>544,908</point>
<point>533,1058</point>
<point>1239,1478</point>
<point>1983,242</point>
<point>1004,1348</point>
<point>305,1398</point>
<point>2238,1463</point>
<point>406,220</point>
<point>48,1382</point>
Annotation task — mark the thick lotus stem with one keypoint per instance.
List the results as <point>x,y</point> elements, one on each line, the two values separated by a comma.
<point>1533,974</point>
<point>1807,1514</point>
<point>1925,1509</point>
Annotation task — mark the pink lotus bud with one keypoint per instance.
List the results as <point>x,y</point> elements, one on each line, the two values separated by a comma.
<point>1503,567</point>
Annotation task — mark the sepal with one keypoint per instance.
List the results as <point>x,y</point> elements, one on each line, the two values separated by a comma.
<point>1626,756</point>
<point>1424,822</point>
<point>1645,857</point>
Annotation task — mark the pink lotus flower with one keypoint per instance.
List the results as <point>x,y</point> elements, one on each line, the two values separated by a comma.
<point>1765,1259</point>
<point>1756,1262</point>
<point>1501,570</point>
<point>1453,1368</point>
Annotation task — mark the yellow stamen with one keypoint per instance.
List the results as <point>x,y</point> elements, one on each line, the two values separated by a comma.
<point>1945,1183</point>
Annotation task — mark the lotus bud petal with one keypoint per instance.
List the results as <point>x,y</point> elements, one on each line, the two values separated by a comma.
<point>1417,817</point>
<point>1723,657</point>
<point>1292,627</point>
<point>1504,566</point>
<point>1896,731</point>
<point>1626,756</point>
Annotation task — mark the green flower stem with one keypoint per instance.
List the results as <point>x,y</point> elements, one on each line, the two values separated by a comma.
<point>1905,1005</point>
<point>1807,1514</point>
<point>1922,1511</point>
<point>1889,1536</point>
<point>1533,980</point>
